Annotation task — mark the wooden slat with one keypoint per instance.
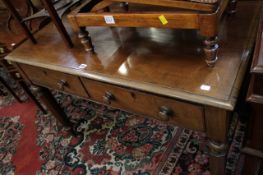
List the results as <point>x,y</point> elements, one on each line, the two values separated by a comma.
<point>174,3</point>
<point>175,20</point>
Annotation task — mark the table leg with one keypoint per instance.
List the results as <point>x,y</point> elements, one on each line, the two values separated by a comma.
<point>85,39</point>
<point>209,29</point>
<point>217,122</point>
<point>49,101</point>
<point>58,22</point>
<point>32,96</point>
<point>211,49</point>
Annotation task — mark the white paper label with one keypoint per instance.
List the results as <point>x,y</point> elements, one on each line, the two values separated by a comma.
<point>205,87</point>
<point>109,19</point>
<point>82,66</point>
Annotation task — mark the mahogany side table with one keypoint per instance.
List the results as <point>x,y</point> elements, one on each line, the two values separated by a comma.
<point>143,67</point>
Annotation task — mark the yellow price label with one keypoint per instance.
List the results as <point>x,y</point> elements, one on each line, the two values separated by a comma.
<point>163,20</point>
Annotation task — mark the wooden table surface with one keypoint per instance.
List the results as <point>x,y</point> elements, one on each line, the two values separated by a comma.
<point>161,61</point>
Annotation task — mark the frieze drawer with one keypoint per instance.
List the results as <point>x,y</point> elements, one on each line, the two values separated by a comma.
<point>165,109</point>
<point>55,80</point>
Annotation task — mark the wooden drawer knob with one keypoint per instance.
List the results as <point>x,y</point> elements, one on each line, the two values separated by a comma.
<point>62,84</point>
<point>165,113</point>
<point>108,97</point>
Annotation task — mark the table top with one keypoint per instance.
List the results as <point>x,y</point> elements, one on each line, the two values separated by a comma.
<point>160,61</point>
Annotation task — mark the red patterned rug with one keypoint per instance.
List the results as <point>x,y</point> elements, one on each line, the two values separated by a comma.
<point>5,97</point>
<point>10,134</point>
<point>25,160</point>
<point>112,142</point>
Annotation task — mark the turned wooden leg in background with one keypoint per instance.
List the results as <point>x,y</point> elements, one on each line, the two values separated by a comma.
<point>126,6</point>
<point>107,9</point>
<point>211,49</point>
<point>232,7</point>
<point>217,122</point>
<point>85,39</point>
<point>49,6</point>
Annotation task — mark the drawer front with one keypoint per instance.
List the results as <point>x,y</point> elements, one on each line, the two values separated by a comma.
<point>55,80</point>
<point>165,109</point>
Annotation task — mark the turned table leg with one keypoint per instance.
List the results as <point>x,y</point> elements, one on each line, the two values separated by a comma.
<point>216,128</point>
<point>209,29</point>
<point>85,39</point>
<point>210,50</point>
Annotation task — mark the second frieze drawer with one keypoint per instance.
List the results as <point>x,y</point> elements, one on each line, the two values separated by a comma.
<point>162,108</point>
